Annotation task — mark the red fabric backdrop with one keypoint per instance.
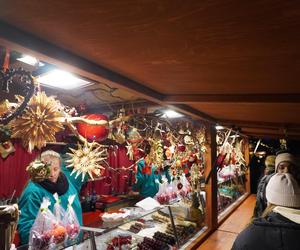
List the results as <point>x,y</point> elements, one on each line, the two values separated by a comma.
<point>119,179</point>
<point>13,174</point>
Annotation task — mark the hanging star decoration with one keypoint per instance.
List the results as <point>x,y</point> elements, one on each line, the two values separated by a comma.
<point>87,159</point>
<point>240,159</point>
<point>130,151</point>
<point>39,122</point>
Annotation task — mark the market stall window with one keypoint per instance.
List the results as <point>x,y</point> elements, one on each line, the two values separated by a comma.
<point>232,168</point>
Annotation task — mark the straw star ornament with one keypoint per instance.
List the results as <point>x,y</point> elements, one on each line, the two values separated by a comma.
<point>87,159</point>
<point>39,123</point>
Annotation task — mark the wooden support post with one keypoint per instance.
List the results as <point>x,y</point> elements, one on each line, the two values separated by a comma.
<point>211,187</point>
<point>247,159</point>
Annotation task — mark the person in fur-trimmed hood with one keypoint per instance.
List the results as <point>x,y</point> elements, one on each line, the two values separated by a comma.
<point>279,226</point>
<point>283,163</point>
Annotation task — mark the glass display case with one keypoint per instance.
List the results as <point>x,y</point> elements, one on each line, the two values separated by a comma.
<point>162,227</point>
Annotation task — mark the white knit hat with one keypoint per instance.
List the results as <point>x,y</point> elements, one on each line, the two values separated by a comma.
<point>283,190</point>
<point>284,157</point>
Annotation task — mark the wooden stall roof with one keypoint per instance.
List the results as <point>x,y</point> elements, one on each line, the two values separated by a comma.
<point>233,62</point>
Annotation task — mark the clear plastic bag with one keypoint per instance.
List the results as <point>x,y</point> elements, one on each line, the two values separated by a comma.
<point>58,211</point>
<point>46,232</point>
<point>71,221</point>
<point>172,191</point>
<point>185,187</point>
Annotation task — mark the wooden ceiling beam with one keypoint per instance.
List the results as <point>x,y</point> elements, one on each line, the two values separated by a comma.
<point>267,132</point>
<point>192,112</point>
<point>271,135</point>
<point>109,107</point>
<point>233,98</point>
<point>259,124</point>
<point>24,42</point>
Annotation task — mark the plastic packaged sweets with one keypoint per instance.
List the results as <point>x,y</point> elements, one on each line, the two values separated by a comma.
<point>71,221</point>
<point>46,232</point>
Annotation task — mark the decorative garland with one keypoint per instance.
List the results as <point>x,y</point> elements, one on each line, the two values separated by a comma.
<point>27,85</point>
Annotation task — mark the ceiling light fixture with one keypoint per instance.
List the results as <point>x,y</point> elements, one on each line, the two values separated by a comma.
<point>171,114</point>
<point>62,79</point>
<point>30,60</point>
<point>219,127</point>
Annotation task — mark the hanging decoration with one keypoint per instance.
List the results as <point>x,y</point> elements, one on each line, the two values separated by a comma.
<point>24,82</point>
<point>134,136</point>
<point>177,149</point>
<point>134,140</point>
<point>239,158</point>
<point>94,132</point>
<point>6,146</point>
<point>38,170</point>
<point>231,169</point>
<point>39,123</point>
<point>37,118</point>
<point>118,132</point>
<point>219,162</point>
<point>156,153</point>
<point>88,158</point>
<point>4,107</point>
<point>130,151</point>
<point>201,138</point>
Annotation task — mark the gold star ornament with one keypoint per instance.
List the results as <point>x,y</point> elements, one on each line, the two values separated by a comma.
<point>87,159</point>
<point>39,123</point>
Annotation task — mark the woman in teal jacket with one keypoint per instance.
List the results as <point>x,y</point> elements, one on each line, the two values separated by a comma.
<point>59,181</point>
<point>148,185</point>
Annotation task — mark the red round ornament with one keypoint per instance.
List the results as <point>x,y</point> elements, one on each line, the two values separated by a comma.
<point>94,132</point>
<point>181,148</point>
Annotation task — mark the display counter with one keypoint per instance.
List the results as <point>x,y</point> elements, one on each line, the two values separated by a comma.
<point>160,228</point>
